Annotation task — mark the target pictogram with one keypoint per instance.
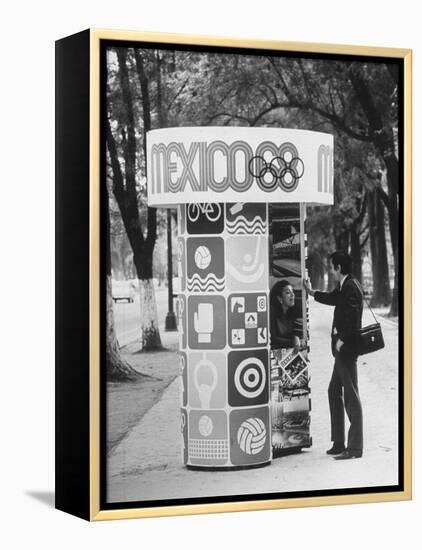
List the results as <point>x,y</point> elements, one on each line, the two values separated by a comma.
<point>248,377</point>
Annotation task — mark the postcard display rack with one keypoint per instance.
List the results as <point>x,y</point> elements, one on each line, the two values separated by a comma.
<point>241,195</point>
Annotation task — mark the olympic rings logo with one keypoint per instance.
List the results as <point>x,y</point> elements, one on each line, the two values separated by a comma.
<point>284,170</point>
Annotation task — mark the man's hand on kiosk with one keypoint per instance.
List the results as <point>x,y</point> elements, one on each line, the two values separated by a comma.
<point>307,287</point>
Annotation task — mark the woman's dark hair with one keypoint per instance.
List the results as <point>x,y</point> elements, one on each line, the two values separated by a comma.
<point>277,290</point>
<point>342,259</point>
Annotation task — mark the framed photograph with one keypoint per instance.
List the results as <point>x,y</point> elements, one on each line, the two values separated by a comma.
<point>233,276</point>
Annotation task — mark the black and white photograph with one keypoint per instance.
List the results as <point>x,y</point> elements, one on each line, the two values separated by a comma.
<point>252,287</point>
<point>202,204</point>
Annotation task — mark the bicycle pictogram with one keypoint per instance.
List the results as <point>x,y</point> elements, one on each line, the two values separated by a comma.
<point>211,210</point>
<point>284,170</point>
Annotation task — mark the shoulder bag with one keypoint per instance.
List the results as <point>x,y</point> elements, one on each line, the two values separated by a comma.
<point>370,337</point>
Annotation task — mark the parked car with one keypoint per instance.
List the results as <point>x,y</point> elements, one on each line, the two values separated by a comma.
<point>123,290</point>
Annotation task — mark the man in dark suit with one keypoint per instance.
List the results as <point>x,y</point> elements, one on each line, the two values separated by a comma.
<point>343,392</point>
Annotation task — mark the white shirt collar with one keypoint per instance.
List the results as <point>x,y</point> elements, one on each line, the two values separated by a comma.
<point>342,281</point>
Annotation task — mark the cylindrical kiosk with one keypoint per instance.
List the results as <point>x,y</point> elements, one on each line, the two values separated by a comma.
<point>240,194</point>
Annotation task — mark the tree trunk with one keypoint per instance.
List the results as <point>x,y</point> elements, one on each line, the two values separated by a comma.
<point>117,368</point>
<point>393,222</point>
<point>383,138</point>
<point>162,115</point>
<point>381,295</point>
<point>355,252</point>
<point>150,334</point>
<point>149,326</point>
<point>126,193</point>
<point>342,240</point>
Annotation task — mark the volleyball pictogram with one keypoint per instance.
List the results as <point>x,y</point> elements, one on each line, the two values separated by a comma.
<point>205,264</point>
<point>202,257</point>
<point>205,426</point>
<point>251,436</point>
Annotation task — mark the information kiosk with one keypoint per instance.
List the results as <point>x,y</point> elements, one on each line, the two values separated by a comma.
<point>244,362</point>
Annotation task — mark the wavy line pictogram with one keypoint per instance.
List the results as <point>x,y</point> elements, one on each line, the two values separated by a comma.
<point>208,283</point>
<point>243,218</point>
<point>243,229</point>
<point>196,287</point>
<point>241,224</point>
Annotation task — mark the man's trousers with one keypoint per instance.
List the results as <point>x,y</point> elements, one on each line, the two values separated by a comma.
<point>343,394</point>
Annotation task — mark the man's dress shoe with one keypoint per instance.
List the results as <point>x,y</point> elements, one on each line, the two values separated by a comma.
<point>336,449</point>
<point>349,453</point>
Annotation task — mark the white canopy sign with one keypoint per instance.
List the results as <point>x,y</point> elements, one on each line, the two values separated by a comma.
<point>219,164</point>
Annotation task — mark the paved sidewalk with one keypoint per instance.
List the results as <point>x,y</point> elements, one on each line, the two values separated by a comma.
<point>147,464</point>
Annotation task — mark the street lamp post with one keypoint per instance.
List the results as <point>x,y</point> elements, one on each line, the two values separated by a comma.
<point>170,323</point>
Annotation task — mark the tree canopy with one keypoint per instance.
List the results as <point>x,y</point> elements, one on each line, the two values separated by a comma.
<point>356,101</point>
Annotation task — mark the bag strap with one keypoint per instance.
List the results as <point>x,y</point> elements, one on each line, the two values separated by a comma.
<point>357,283</point>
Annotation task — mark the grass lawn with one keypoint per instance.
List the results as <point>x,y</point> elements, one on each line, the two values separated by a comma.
<point>127,402</point>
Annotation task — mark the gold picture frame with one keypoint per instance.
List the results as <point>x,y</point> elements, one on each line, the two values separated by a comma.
<point>79,58</point>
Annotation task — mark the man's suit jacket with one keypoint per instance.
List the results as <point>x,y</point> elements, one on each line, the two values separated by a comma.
<point>347,321</point>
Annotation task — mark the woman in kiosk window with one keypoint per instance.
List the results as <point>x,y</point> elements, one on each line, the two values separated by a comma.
<point>286,322</point>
